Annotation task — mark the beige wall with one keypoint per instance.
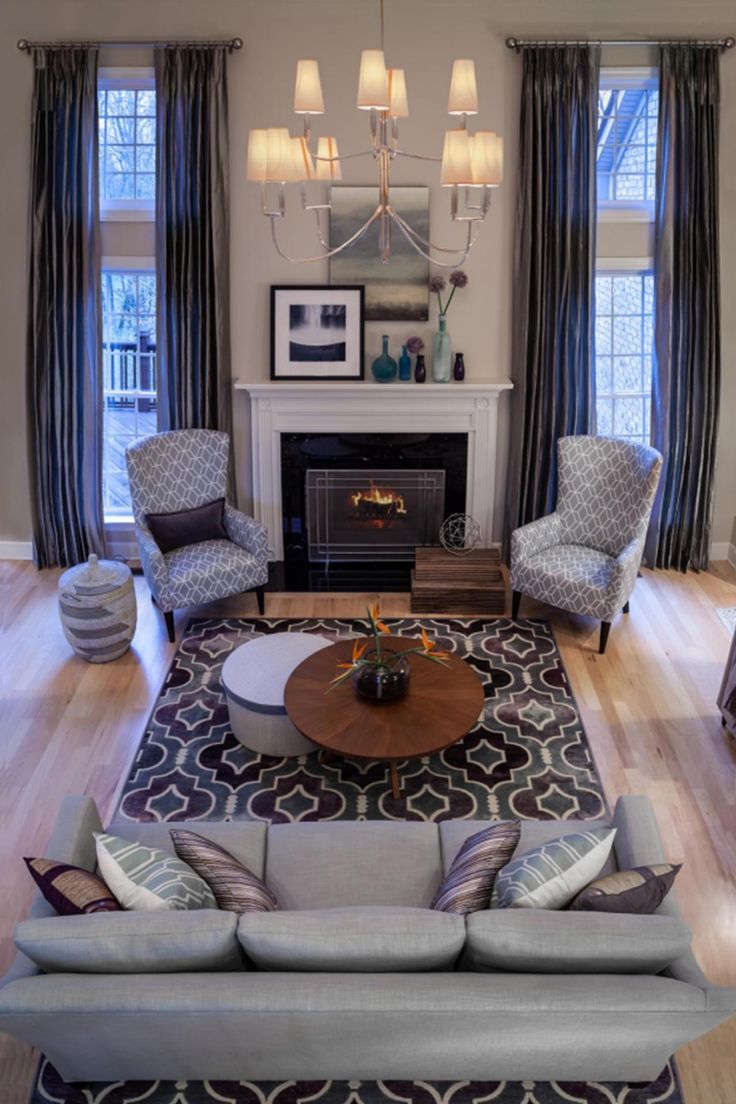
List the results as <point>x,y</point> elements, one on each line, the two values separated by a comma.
<point>422,35</point>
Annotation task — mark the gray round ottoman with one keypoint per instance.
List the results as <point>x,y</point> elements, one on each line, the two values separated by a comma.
<point>254,677</point>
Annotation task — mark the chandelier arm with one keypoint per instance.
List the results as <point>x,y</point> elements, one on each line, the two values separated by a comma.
<point>440,264</point>
<point>331,252</point>
<point>415,156</point>
<point>424,241</point>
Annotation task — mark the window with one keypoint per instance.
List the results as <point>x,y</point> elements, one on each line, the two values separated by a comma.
<point>129,372</point>
<point>127,137</point>
<point>628,102</point>
<point>624,324</point>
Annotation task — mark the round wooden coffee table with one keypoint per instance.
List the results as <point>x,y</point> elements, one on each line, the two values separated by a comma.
<point>442,705</point>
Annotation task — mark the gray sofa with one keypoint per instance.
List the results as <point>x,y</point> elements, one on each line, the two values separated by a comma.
<point>465,1018</point>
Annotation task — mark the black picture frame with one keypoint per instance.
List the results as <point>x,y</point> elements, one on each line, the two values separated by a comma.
<point>297,356</point>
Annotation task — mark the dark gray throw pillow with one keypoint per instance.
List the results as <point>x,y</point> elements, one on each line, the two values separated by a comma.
<point>203,523</point>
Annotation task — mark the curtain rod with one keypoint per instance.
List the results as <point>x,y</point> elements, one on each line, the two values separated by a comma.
<point>27,45</point>
<point>529,43</point>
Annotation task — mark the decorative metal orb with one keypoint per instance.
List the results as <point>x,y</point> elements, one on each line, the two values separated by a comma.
<point>460,534</point>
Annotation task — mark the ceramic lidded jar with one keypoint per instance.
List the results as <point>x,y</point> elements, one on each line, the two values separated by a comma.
<point>97,608</point>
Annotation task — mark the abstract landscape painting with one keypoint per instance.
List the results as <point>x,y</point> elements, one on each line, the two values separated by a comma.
<point>396,291</point>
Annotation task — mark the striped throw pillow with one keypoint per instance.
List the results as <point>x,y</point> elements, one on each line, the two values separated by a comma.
<point>69,889</point>
<point>148,878</point>
<point>236,888</point>
<point>549,876</point>
<point>468,884</point>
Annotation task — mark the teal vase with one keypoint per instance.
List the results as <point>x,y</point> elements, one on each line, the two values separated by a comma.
<point>384,367</point>
<point>442,354</point>
<point>404,365</point>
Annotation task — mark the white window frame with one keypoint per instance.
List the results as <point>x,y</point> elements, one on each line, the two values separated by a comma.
<point>617,266</point>
<point>120,526</point>
<point>638,78</point>
<point>141,78</point>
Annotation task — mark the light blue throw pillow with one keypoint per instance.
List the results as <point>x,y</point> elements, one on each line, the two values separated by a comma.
<point>147,878</point>
<point>549,876</point>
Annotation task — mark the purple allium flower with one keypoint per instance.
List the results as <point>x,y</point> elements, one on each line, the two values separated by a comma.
<point>415,344</point>
<point>458,278</point>
<point>437,283</point>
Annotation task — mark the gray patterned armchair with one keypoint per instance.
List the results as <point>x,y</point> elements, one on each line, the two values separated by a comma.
<point>585,556</point>
<point>180,471</point>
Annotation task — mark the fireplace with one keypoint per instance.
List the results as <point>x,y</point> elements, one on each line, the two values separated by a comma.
<point>372,514</point>
<point>357,505</point>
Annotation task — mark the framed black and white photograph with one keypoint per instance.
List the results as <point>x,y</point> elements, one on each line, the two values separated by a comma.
<point>394,292</point>
<point>317,332</point>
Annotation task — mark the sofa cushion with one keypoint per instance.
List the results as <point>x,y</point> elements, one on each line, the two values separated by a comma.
<point>640,890</point>
<point>468,884</point>
<point>550,875</point>
<point>70,890</point>
<point>360,940</point>
<point>343,863</point>
<point>539,941</point>
<point>133,942</point>
<point>236,888</point>
<point>145,878</point>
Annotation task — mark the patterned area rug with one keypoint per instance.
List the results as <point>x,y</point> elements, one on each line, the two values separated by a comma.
<point>527,757</point>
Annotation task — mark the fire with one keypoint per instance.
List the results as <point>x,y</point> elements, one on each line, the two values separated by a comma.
<point>381,502</point>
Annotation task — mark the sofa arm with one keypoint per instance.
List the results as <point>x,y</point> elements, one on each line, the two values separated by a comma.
<point>535,537</point>
<point>623,576</point>
<point>247,532</point>
<point>154,565</point>
<point>718,998</point>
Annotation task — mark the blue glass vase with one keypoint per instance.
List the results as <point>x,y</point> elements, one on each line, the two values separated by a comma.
<point>404,365</point>
<point>442,354</point>
<point>384,367</point>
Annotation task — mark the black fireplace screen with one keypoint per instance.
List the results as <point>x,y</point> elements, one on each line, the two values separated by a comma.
<point>372,514</point>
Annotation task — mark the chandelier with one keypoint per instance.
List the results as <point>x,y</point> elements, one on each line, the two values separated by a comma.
<point>471,163</point>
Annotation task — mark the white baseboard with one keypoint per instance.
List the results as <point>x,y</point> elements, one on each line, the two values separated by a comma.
<point>722,550</point>
<point>16,550</point>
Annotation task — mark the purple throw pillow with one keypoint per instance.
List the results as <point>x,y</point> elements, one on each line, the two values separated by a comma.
<point>235,887</point>
<point>203,523</point>
<point>468,884</point>
<point>71,890</point>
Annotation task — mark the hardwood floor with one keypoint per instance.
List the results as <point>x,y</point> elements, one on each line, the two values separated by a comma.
<point>648,707</point>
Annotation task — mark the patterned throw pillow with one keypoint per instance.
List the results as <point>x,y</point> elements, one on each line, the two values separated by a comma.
<point>550,875</point>
<point>69,889</point>
<point>146,878</point>
<point>236,888</point>
<point>641,890</point>
<point>468,884</point>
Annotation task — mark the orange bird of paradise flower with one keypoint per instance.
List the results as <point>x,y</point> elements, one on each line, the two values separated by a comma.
<point>380,625</point>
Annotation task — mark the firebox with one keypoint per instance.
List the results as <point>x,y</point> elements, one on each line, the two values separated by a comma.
<point>358,514</point>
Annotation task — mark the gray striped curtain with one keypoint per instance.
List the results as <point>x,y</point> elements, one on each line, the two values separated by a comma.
<point>192,238</point>
<point>553,276</point>
<point>687,371</point>
<point>63,351</point>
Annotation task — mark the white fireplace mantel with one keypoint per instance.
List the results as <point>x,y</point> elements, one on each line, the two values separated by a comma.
<point>317,407</point>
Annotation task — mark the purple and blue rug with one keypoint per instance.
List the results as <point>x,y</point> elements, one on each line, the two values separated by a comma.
<point>527,756</point>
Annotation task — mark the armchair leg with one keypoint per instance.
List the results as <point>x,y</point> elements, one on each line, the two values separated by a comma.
<point>515,603</point>
<point>169,619</point>
<point>605,629</point>
<point>626,608</point>
<point>261,598</point>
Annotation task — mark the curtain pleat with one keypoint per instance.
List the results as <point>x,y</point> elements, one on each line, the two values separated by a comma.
<point>192,239</point>
<point>686,384</point>
<point>553,272</point>
<point>63,349</point>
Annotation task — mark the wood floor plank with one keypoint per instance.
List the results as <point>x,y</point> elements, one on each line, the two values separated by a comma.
<point>648,707</point>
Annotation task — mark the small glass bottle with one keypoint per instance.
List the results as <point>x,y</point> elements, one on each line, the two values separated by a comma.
<point>384,367</point>
<point>458,371</point>
<point>404,365</point>
<point>420,370</point>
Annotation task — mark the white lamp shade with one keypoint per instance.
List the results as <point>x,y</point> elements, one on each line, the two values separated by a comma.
<point>456,159</point>
<point>257,155</point>
<point>327,170</point>
<point>277,153</point>
<point>308,89</point>
<point>297,162</point>
<point>398,104</point>
<point>463,91</point>
<point>486,156</point>
<point>373,81</point>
